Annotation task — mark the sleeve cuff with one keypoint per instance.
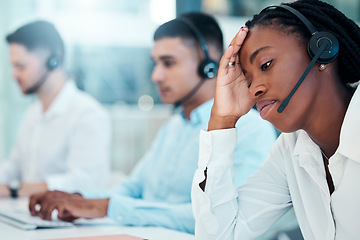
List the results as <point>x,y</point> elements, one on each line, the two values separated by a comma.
<point>122,209</point>
<point>215,146</point>
<point>54,183</point>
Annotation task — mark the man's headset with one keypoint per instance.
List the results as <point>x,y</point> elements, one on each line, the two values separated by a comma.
<point>52,63</point>
<point>207,68</point>
<point>323,47</point>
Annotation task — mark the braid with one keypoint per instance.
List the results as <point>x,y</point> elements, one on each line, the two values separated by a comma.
<point>324,17</point>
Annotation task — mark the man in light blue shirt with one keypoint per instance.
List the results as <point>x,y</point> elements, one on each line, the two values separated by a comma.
<point>158,191</point>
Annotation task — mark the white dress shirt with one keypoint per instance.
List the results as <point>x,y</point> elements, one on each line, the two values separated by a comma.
<point>292,176</point>
<point>67,146</point>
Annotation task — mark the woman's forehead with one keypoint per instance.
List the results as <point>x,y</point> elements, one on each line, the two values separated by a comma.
<point>269,40</point>
<point>265,35</point>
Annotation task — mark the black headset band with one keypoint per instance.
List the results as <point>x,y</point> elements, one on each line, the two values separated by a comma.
<point>197,33</point>
<point>302,18</point>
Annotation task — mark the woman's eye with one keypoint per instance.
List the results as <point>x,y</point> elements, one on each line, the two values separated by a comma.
<point>266,65</point>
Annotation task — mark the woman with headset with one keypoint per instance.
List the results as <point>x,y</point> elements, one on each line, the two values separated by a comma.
<point>299,63</point>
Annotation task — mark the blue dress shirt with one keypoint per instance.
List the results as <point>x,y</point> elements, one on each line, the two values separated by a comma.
<point>158,190</point>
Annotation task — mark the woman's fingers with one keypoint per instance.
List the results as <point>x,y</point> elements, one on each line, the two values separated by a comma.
<point>225,60</point>
<point>230,59</point>
<point>237,43</point>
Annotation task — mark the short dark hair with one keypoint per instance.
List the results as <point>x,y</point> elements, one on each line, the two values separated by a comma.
<point>205,24</point>
<point>324,17</point>
<point>39,34</point>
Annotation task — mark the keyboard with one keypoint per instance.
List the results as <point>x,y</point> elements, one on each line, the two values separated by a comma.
<point>22,219</point>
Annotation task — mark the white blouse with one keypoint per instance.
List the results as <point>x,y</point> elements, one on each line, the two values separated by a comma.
<point>292,176</point>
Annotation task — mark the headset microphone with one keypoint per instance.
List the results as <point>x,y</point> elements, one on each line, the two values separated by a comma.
<point>323,47</point>
<point>189,95</point>
<point>307,70</point>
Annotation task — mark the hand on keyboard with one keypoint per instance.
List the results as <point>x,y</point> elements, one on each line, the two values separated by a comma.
<point>22,219</point>
<point>69,206</point>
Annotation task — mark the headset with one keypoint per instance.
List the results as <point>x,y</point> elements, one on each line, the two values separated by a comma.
<point>323,47</point>
<point>207,69</point>
<point>52,63</point>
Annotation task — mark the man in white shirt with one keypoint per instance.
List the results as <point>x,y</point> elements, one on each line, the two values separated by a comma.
<point>64,139</point>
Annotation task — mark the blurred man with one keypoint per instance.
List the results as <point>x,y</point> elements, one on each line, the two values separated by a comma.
<point>186,52</point>
<point>64,139</point>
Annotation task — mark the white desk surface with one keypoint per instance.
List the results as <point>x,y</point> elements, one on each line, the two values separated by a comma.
<point>8,232</point>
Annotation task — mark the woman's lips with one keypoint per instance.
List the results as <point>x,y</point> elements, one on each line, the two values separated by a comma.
<point>264,106</point>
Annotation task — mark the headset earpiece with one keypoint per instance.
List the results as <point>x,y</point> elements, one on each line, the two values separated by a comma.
<point>208,69</point>
<point>53,62</point>
<point>331,49</point>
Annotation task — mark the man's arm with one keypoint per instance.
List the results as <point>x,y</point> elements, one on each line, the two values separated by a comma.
<point>139,212</point>
<point>28,189</point>
<point>126,210</point>
<point>88,160</point>
<point>4,190</point>
<point>10,169</point>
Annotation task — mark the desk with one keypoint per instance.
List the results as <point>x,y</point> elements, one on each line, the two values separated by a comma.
<point>8,232</point>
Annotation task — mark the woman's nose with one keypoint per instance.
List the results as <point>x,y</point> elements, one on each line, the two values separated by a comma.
<point>257,89</point>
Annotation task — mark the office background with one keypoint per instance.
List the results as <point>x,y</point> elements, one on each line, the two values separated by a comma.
<point>108,44</point>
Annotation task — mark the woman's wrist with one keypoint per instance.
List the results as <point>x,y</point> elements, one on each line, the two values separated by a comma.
<point>216,122</point>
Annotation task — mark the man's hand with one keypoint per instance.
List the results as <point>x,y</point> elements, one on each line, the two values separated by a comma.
<point>70,209</point>
<point>49,196</point>
<point>4,190</point>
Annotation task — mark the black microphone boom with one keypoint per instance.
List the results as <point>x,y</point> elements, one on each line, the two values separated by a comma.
<point>307,70</point>
<point>189,95</point>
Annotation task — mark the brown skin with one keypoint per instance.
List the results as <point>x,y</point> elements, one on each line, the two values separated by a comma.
<point>69,206</point>
<point>25,190</point>
<point>4,191</point>
<point>318,106</point>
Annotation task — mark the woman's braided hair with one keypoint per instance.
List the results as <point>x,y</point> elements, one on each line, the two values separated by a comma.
<point>324,17</point>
